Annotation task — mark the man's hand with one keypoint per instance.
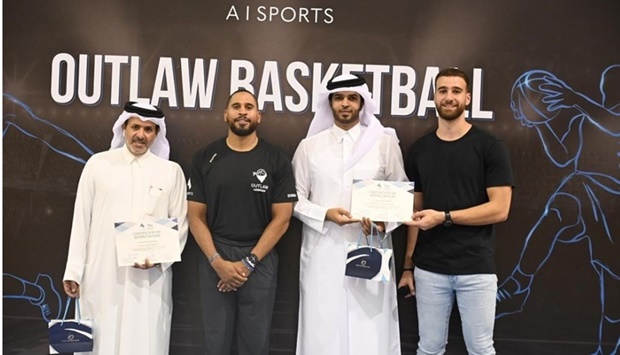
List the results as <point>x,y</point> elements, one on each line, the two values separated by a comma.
<point>407,280</point>
<point>241,270</point>
<point>147,265</point>
<point>232,274</point>
<point>367,226</point>
<point>340,216</point>
<point>72,289</point>
<point>426,219</point>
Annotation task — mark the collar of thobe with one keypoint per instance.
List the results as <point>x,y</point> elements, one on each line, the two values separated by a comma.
<point>131,159</point>
<point>354,132</point>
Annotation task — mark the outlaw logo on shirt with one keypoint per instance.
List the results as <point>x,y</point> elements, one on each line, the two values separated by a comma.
<point>261,175</point>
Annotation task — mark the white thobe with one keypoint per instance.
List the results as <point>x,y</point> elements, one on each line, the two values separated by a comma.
<point>340,314</point>
<point>131,308</point>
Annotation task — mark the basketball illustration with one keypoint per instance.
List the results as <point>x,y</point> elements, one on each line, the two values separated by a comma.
<point>527,96</point>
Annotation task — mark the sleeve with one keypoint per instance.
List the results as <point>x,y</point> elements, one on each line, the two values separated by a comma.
<point>80,228</point>
<point>394,170</point>
<point>394,167</point>
<point>307,212</point>
<point>411,168</point>
<point>177,207</point>
<point>498,169</point>
<point>195,183</point>
<point>285,181</point>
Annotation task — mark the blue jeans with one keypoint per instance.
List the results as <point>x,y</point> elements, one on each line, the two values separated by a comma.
<point>475,295</point>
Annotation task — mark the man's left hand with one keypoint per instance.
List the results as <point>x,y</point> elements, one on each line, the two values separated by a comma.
<point>367,226</point>
<point>147,265</point>
<point>234,285</point>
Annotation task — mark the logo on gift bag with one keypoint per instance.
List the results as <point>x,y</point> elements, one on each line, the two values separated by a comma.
<point>363,262</point>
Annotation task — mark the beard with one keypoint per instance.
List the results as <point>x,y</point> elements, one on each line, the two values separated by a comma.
<point>450,115</point>
<point>242,131</point>
<point>352,118</point>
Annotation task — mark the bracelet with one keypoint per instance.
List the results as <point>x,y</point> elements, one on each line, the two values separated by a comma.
<point>213,257</point>
<point>248,264</point>
<point>407,269</point>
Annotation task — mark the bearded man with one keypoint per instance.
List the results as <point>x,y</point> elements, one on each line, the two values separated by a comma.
<point>463,186</point>
<point>134,181</point>
<point>240,201</point>
<point>341,315</point>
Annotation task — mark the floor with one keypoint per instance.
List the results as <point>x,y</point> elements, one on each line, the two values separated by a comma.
<point>28,336</point>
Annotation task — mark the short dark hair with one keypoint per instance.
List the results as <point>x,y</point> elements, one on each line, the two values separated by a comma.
<point>454,72</point>
<point>241,90</point>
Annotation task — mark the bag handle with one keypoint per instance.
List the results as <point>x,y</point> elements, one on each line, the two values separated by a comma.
<point>79,314</point>
<point>373,229</point>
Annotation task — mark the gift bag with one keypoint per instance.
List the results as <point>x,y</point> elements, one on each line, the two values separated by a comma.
<point>367,261</point>
<point>71,335</point>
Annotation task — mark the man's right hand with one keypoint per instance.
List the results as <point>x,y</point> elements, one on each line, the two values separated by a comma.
<point>72,288</point>
<point>231,274</point>
<point>340,216</point>
<point>407,280</point>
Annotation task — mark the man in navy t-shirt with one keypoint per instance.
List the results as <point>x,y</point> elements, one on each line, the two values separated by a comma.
<point>240,200</point>
<point>463,186</point>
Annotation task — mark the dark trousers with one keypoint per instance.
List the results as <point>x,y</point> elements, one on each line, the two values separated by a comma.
<point>246,312</point>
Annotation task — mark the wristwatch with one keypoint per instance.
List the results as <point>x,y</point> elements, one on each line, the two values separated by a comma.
<point>253,258</point>
<point>447,222</point>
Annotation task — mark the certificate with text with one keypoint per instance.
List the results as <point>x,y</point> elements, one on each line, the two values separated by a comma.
<point>157,241</point>
<point>385,201</point>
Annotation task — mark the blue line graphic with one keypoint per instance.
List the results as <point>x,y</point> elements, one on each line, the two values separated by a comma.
<point>44,122</point>
<point>41,293</point>
<point>570,123</point>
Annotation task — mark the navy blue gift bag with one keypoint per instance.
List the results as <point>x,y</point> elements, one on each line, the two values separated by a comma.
<point>369,262</point>
<point>71,335</point>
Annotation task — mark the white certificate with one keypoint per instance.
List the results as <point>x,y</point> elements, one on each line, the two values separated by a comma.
<point>385,201</point>
<point>157,241</point>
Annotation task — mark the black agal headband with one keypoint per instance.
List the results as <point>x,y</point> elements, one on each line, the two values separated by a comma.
<point>131,107</point>
<point>357,81</point>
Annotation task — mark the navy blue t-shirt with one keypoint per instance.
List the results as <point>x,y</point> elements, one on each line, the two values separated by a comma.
<point>454,175</point>
<point>239,189</point>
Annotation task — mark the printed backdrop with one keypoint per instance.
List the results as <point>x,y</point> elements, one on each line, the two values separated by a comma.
<point>545,77</point>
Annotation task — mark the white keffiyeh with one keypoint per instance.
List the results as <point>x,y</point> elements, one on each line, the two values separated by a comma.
<point>144,112</point>
<point>324,117</point>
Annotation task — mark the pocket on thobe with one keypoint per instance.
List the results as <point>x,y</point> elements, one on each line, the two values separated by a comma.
<point>152,198</point>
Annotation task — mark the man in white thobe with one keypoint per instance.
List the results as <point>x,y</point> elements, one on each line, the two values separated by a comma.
<point>340,314</point>
<point>131,307</point>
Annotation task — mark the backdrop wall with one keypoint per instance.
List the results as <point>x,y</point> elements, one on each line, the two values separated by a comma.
<point>546,78</point>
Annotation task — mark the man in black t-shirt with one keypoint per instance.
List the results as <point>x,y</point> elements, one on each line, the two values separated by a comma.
<point>463,185</point>
<point>240,200</point>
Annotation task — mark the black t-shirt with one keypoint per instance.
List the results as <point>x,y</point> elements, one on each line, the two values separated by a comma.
<point>454,175</point>
<point>239,189</point>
